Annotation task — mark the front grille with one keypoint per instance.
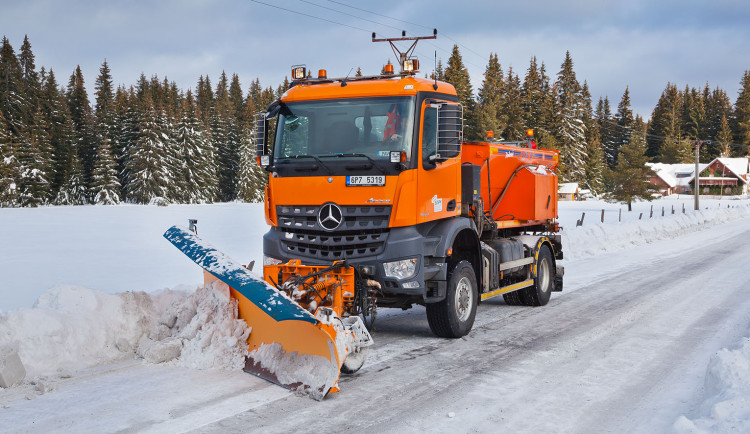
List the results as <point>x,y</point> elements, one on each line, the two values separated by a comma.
<point>363,232</point>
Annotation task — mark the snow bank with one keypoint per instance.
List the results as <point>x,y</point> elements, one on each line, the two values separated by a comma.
<point>586,241</point>
<point>201,331</point>
<point>72,328</point>
<point>727,403</point>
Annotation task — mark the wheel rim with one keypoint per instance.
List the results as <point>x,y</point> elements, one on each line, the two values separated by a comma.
<point>464,299</point>
<point>543,275</point>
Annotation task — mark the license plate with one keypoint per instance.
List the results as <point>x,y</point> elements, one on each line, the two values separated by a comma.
<point>365,180</point>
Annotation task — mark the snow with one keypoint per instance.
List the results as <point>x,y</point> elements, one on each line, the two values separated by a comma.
<point>102,312</point>
<point>727,404</point>
<point>568,188</point>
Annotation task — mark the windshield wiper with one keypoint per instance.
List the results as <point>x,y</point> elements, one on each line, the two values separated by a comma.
<point>356,155</point>
<point>313,157</point>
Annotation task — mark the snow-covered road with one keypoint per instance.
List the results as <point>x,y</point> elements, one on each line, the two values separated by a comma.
<point>624,348</point>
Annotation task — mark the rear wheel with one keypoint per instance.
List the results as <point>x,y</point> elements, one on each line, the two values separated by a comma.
<point>538,294</point>
<point>454,316</point>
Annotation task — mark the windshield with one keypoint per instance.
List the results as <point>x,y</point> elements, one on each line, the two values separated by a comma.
<point>372,127</point>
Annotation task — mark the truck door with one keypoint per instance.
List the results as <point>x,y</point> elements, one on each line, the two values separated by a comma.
<point>439,166</point>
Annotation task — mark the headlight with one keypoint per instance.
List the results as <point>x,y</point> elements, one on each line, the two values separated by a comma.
<point>401,269</point>
<point>267,260</point>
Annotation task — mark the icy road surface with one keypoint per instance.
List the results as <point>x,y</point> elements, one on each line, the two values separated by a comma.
<point>624,348</point>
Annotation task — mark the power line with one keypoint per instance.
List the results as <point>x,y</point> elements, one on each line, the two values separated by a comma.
<point>311,16</point>
<point>664,138</point>
<point>348,14</point>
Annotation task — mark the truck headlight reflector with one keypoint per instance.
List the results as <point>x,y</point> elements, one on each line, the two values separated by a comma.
<point>403,269</point>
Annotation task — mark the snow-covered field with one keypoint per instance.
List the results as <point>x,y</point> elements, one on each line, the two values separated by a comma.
<point>91,328</point>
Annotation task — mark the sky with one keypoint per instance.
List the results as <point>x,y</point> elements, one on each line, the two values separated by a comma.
<point>638,44</point>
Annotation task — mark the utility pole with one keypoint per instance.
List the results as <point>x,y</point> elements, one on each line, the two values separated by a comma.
<point>696,191</point>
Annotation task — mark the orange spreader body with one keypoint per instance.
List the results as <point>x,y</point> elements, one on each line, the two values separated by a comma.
<point>531,196</point>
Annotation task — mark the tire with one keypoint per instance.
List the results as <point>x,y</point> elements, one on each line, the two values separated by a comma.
<point>513,299</point>
<point>538,294</point>
<point>354,361</point>
<point>454,316</point>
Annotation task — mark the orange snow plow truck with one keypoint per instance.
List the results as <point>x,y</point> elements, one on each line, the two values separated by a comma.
<point>375,200</point>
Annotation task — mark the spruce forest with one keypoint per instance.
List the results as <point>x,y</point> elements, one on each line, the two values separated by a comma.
<point>152,142</point>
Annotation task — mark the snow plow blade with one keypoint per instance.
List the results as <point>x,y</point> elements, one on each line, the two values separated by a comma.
<point>288,345</point>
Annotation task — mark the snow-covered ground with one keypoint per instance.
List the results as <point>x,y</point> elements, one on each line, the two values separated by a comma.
<point>652,324</point>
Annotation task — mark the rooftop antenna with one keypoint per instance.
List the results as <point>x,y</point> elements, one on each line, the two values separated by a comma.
<point>403,56</point>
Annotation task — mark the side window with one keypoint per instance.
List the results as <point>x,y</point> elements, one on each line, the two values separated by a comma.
<point>429,136</point>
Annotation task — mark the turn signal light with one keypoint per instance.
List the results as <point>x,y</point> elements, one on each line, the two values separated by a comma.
<point>490,134</point>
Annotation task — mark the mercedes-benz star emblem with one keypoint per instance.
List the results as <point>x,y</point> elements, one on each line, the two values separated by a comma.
<point>330,216</point>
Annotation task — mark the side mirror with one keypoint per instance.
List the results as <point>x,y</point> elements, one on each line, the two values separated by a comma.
<point>261,147</point>
<point>450,129</point>
<point>261,133</point>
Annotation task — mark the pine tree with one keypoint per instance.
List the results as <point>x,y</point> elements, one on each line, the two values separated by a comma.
<point>570,131</point>
<point>537,105</point>
<point>624,120</point>
<point>73,191</point>
<point>56,115</point>
<point>675,150</point>
<point>127,115</point>
<point>104,110</point>
<point>742,115</point>
<point>252,178</point>
<point>197,156</point>
<point>31,87</point>
<point>33,154</point>
<point>148,177</point>
<point>204,99</point>
<point>513,108</point>
<point>254,95</point>
<point>236,98</point>
<point>630,179</point>
<point>104,184</point>
<point>13,103</point>
<point>665,121</point>
<point>83,121</point>
<point>724,138</point>
<point>8,167</point>
<point>594,173</point>
<point>457,75</point>
<point>490,115</point>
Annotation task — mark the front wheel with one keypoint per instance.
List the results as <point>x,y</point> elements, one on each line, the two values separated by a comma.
<point>454,316</point>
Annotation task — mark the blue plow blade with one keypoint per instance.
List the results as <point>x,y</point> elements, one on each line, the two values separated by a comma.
<point>267,298</point>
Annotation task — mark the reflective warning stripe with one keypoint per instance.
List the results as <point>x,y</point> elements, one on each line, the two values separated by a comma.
<point>506,289</point>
